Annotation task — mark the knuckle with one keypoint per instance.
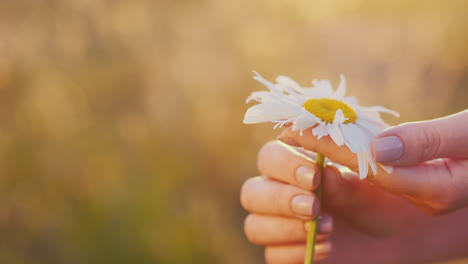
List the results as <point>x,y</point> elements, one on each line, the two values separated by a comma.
<point>428,138</point>
<point>281,200</point>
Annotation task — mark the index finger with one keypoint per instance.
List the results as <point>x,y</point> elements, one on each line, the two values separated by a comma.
<point>284,163</point>
<point>408,182</point>
<point>325,146</point>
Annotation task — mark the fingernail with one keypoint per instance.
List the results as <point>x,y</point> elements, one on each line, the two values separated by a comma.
<point>289,141</point>
<point>323,248</point>
<point>325,224</point>
<point>388,149</point>
<point>303,205</point>
<point>305,176</point>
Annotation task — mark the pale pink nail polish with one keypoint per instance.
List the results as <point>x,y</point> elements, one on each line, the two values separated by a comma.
<point>387,149</point>
<point>303,205</point>
<point>306,176</point>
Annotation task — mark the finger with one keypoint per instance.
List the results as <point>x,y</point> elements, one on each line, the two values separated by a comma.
<point>421,184</point>
<point>413,143</point>
<point>325,146</point>
<point>264,196</point>
<point>271,230</point>
<point>437,186</point>
<point>294,254</point>
<point>284,163</point>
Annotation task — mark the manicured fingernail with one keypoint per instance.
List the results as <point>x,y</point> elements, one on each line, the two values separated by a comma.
<point>289,141</point>
<point>306,176</point>
<point>323,248</point>
<point>303,205</point>
<point>325,224</point>
<point>388,149</point>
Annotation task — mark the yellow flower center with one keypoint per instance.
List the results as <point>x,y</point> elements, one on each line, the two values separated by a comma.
<point>325,109</point>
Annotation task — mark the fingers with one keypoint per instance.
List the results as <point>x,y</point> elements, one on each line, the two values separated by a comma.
<point>282,162</point>
<point>413,143</point>
<point>273,230</point>
<point>294,254</point>
<point>265,196</point>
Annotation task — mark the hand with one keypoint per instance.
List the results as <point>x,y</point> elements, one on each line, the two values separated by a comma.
<point>370,225</point>
<point>281,202</point>
<point>430,159</point>
<point>363,214</point>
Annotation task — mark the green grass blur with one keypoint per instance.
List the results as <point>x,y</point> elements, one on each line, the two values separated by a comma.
<point>121,135</point>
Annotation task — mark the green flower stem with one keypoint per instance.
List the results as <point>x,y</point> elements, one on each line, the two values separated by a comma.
<point>313,224</point>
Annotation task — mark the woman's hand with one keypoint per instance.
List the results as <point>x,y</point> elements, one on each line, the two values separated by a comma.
<point>281,202</point>
<point>430,160</point>
<point>370,225</point>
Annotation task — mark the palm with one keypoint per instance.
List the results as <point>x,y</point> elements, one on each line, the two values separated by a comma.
<point>366,218</point>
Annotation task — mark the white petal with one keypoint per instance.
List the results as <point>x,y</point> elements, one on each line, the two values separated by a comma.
<point>324,87</point>
<point>352,101</point>
<point>370,128</point>
<point>363,167</point>
<point>268,84</point>
<point>341,90</point>
<point>372,121</point>
<point>335,133</point>
<point>261,96</point>
<point>320,131</point>
<point>313,92</point>
<point>378,108</point>
<point>286,81</point>
<point>359,142</point>
<point>372,163</point>
<point>289,93</point>
<point>268,112</point>
<point>304,121</point>
<point>351,135</point>
<point>339,117</point>
<point>388,169</point>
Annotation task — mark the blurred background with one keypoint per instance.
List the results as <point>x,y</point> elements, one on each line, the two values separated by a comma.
<point>121,135</point>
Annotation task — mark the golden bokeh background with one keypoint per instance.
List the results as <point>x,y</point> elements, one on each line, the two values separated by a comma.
<point>121,135</point>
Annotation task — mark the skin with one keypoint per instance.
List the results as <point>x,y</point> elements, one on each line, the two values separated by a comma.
<point>384,219</point>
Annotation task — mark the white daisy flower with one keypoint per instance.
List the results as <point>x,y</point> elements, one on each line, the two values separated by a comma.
<point>329,112</point>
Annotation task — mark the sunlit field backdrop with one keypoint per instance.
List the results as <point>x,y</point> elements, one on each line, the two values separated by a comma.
<point>121,135</point>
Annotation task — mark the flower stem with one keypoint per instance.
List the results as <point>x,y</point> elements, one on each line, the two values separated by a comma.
<point>313,224</point>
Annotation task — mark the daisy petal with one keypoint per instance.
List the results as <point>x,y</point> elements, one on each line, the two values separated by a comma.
<point>286,81</point>
<point>268,112</point>
<point>324,87</point>
<point>351,136</point>
<point>371,161</point>
<point>304,121</point>
<point>363,167</point>
<point>335,133</point>
<point>339,117</point>
<point>370,128</point>
<point>320,131</point>
<point>388,169</point>
<point>382,109</point>
<point>341,90</point>
<point>268,84</point>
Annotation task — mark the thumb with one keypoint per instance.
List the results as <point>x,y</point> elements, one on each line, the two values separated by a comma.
<point>413,143</point>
